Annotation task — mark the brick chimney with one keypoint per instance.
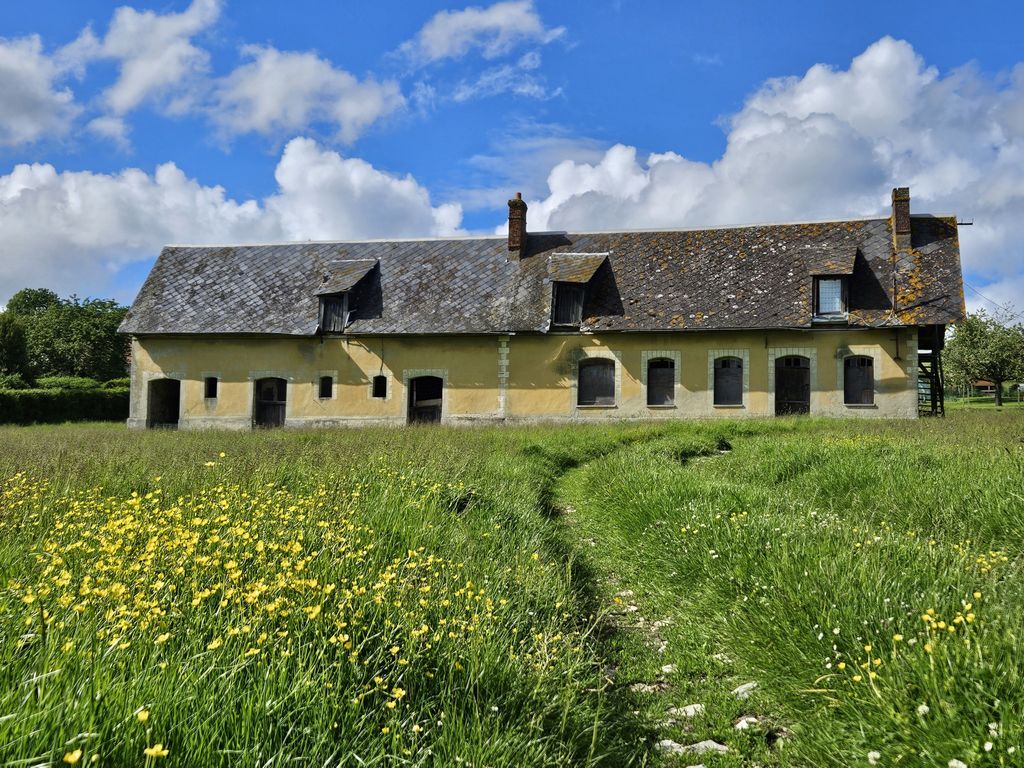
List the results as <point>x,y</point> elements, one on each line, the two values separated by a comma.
<point>516,226</point>
<point>901,218</point>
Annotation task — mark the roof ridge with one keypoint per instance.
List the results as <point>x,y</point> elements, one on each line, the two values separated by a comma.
<point>640,230</point>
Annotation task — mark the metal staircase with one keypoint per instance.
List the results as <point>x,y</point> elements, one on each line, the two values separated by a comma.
<point>930,381</point>
<point>930,384</point>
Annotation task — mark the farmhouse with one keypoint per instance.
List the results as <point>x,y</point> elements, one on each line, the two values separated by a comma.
<point>833,318</point>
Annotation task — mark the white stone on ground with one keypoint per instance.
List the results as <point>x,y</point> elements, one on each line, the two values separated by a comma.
<point>744,691</point>
<point>690,710</point>
<point>675,748</point>
<point>668,669</point>
<point>706,746</point>
<point>745,722</point>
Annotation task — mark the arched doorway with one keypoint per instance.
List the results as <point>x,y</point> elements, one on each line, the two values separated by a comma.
<point>425,393</point>
<point>792,385</point>
<point>271,394</point>
<point>163,404</point>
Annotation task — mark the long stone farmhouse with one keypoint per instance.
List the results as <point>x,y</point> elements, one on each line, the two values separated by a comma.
<point>838,318</point>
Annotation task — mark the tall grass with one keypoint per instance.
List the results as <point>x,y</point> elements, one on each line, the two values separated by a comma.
<point>441,597</point>
<point>868,576</point>
<point>378,597</point>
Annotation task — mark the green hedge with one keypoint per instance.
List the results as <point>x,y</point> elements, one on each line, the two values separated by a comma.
<point>54,406</point>
<point>66,382</point>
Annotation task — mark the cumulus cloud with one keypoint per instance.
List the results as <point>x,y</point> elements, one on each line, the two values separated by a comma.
<point>155,53</point>
<point>828,144</point>
<point>73,231</point>
<point>493,31</point>
<point>323,195</point>
<point>32,105</point>
<point>280,91</point>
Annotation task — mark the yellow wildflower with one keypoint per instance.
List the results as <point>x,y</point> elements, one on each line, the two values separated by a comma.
<point>73,757</point>
<point>142,715</point>
<point>157,750</point>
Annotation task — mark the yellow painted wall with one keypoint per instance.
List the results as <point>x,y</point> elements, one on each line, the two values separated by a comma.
<point>514,378</point>
<point>542,372</point>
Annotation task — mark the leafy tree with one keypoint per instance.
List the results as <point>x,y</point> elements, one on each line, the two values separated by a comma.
<point>13,346</point>
<point>984,348</point>
<point>31,301</point>
<point>71,337</point>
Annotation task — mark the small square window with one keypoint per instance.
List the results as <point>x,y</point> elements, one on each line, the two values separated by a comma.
<point>380,386</point>
<point>326,387</point>
<point>210,387</point>
<point>830,296</point>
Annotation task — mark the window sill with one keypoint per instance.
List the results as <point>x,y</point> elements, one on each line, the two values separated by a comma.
<point>831,319</point>
<point>859,405</point>
<point>596,407</point>
<point>661,407</point>
<point>738,405</point>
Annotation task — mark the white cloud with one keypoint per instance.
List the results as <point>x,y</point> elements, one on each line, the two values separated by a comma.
<point>113,129</point>
<point>74,231</point>
<point>830,144</point>
<point>323,195</point>
<point>156,57</point>
<point>281,91</point>
<point>494,31</point>
<point>31,104</point>
<point>517,79</point>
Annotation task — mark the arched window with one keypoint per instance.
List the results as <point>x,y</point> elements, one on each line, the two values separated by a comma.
<point>661,382</point>
<point>859,380</point>
<point>728,381</point>
<point>596,384</point>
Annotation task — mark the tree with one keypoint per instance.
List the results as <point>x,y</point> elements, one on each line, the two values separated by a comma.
<point>984,348</point>
<point>13,346</point>
<point>71,337</point>
<point>31,301</point>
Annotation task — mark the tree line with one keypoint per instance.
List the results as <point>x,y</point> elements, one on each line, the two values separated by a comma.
<point>43,335</point>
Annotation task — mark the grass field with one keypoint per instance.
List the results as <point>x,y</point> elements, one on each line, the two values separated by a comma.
<point>532,596</point>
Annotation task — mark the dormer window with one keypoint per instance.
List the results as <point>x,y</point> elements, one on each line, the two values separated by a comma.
<point>338,282</point>
<point>570,275</point>
<point>334,311</point>
<point>568,304</point>
<point>830,297</point>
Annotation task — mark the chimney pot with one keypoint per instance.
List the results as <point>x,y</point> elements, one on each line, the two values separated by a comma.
<point>516,226</point>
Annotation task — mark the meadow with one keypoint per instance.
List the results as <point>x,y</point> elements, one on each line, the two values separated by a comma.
<point>497,596</point>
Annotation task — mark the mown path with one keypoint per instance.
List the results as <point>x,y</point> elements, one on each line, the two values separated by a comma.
<point>699,706</point>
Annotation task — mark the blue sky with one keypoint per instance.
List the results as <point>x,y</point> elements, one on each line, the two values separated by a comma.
<point>126,127</point>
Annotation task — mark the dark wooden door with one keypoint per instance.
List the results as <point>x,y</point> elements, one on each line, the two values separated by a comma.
<point>425,398</point>
<point>792,385</point>
<point>271,396</point>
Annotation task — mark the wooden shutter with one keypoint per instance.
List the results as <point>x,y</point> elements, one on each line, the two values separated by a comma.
<point>596,383</point>
<point>334,310</point>
<point>859,380</point>
<point>661,382</point>
<point>568,308</point>
<point>728,381</point>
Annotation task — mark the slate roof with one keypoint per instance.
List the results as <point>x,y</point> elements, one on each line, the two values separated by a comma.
<point>574,267</point>
<point>712,279</point>
<point>340,276</point>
